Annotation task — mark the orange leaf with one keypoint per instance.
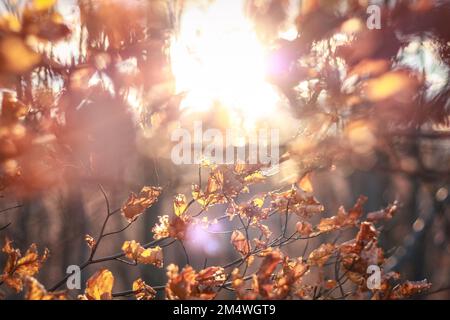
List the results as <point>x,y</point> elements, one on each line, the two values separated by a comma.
<point>99,286</point>
<point>240,243</point>
<point>17,268</point>
<point>136,204</point>
<point>134,251</point>
<point>321,255</point>
<point>37,291</point>
<point>143,291</point>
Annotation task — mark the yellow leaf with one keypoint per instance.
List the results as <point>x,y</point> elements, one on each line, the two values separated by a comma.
<point>18,268</point>
<point>143,291</point>
<point>134,251</point>
<point>99,286</point>
<point>321,255</point>
<point>179,204</point>
<point>136,204</point>
<point>36,291</point>
<point>389,85</point>
<point>305,184</point>
<point>10,22</point>
<point>43,4</point>
<point>16,57</point>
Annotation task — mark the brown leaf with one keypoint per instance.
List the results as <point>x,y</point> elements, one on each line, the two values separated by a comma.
<point>343,219</point>
<point>143,291</point>
<point>305,184</point>
<point>240,243</point>
<point>17,268</point>
<point>36,291</point>
<point>99,286</point>
<point>296,201</point>
<point>321,255</point>
<point>304,228</point>
<point>90,241</point>
<point>179,204</point>
<point>211,276</point>
<point>134,251</point>
<point>409,289</point>
<point>136,204</point>
<point>174,227</point>
<point>181,286</point>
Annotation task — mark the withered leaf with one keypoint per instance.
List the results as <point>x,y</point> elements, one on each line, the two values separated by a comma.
<point>296,201</point>
<point>174,227</point>
<point>343,218</point>
<point>134,251</point>
<point>17,268</point>
<point>304,228</point>
<point>179,204</point>
<point>211,276</point>
<point>320,256</point>
<point>99,286</point>
<point>36,291</point>
<point>409,289</point>
<point>240,243</point>
<point>143,291</point>
<point>90,241</point>
<point>136,204</point>
<point>184,285</point>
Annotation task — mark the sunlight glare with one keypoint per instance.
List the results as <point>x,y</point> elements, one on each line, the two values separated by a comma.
<point>217,59</point>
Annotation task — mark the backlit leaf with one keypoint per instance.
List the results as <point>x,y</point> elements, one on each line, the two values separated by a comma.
<point>136,204</point>
<point>134,251</point>
<point>99,286</point>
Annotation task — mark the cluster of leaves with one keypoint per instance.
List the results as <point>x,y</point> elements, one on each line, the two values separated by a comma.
<point>277,276</point>
<point>360,86</point>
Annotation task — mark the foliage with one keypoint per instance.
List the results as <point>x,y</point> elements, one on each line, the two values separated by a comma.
<point>364,105</point>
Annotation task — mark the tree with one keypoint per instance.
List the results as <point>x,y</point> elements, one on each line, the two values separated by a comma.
<point>89,101</point>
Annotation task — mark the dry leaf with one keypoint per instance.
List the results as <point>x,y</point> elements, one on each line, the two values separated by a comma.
<point>136,204</point>
<point>321,255</point>
<point>17,268</point>
<point>99,286</point>
<point>143,291</point>
<point>90,241</point>
<point>36,291</point>
<point>179,204</point>
<point>134,251</point>
<point>240,243</point>
<point>304,228</point>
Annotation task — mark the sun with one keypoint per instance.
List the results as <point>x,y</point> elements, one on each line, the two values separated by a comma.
<point>217,59</point>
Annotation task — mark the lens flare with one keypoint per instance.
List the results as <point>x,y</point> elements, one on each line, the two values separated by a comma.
<point>218,60</point>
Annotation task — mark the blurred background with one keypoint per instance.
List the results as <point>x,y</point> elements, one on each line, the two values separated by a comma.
<point>91,91</point>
